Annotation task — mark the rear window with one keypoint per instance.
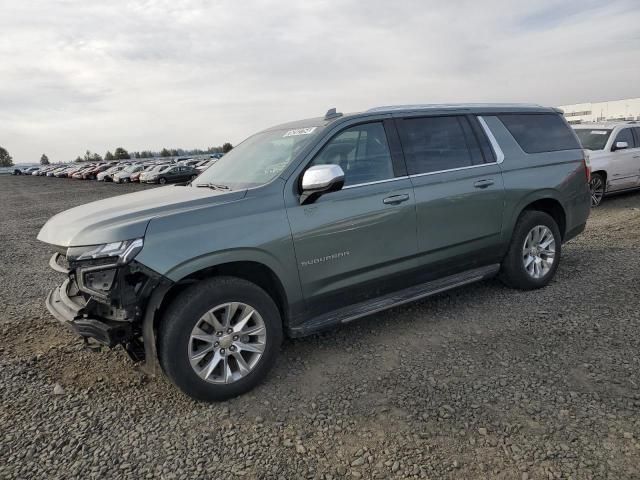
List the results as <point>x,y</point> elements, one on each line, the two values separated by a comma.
<point>542,132</point>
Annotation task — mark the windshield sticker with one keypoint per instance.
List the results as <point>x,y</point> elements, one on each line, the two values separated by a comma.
<point>598,132</point>
<point>299,131</point>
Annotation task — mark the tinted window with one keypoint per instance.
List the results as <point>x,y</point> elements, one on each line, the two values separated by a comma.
<point>361,151</point>
<point>593,138</point>
<point>536,133</point>
<point>625,135</point>
<point>432,144</point>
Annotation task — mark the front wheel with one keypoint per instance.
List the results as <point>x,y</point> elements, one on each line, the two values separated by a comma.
<point>219,338</point>
<point>597,186</point>
<point>534,252</point>
<point>162,181</point>
<point>193,177</point>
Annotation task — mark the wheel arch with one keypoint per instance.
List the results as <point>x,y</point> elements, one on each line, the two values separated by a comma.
<point>545,202</point>
<point>253,271</point>
<point>603,173</point>
<point>552,207</point>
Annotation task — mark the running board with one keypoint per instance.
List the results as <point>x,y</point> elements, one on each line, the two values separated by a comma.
<point>369,307</point>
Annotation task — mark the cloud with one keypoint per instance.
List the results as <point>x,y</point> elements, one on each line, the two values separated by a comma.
<point>193,73</point>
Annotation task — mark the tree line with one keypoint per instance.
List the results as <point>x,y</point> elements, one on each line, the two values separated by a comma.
<point>120,153</point>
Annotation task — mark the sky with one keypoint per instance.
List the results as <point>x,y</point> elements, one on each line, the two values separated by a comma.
<point>147,74</point>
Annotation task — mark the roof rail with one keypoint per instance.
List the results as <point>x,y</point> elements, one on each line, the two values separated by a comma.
<point>332,113</point>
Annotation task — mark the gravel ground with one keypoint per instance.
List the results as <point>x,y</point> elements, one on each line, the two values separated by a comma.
<point>481,382</point>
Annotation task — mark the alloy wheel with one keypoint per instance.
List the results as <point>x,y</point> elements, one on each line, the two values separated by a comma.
<point>597,190</point>
<point>227,343</point>
<point>539,251</point>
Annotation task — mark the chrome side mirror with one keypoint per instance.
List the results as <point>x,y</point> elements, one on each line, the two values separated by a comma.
<point>621,146</point>
<point>320,179</point>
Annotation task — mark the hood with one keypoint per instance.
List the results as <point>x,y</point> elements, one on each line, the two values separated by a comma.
<point>126,216</point>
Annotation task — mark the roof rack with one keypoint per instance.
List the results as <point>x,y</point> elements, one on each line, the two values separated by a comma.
<point>436,106</point>
<point>332,113</point>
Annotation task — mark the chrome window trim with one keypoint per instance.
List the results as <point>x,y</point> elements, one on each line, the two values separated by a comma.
<point>376,182</point>
<point>492,140</point>
<point>452,170</point>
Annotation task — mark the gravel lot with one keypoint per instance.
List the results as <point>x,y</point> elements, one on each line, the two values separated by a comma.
<point>481,382</point>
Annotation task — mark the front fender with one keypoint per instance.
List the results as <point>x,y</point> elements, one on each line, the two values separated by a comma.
<point>252,229</point>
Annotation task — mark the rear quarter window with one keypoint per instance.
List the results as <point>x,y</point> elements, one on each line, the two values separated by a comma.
<point>541,132</point>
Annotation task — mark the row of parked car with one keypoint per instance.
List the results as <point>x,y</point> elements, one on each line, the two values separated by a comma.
<point>152,171</point>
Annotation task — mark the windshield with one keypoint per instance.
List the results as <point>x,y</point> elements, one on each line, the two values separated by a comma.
<point>131,168</point>
<point>593,139</point>
<point>257,160</point>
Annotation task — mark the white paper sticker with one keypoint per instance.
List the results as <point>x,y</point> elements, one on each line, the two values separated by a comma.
<point>299,131</point>
<point>598,132</point>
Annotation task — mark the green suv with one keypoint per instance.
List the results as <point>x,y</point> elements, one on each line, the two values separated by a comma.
<point>315,223</point>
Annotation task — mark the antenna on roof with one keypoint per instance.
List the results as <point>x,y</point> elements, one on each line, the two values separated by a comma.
<point>331,113</point>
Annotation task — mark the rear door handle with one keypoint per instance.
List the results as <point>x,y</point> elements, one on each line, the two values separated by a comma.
<point>395,199</point>
<point>483,183</point>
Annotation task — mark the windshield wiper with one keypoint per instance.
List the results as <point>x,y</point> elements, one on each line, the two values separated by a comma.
<point>214,186</point>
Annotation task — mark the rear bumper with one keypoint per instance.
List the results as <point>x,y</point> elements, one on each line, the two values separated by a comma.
<point>578,212</point>
<point>69,310</point>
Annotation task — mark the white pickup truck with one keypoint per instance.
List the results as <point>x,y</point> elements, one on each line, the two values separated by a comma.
<point>614,153</point>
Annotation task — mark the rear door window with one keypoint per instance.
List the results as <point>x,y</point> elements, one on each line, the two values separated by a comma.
<point>434,144</point>
<point>540,132</point>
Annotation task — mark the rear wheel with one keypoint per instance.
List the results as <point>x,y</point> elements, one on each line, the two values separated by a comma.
<point>193,177</point>
<point>162,181</point>
<point>219,338</point>
<point>534,253</point>
<point>597,185</point>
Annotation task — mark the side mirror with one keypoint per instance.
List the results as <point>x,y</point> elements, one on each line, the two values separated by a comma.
<point>320,179</point>
<point>620,146</point>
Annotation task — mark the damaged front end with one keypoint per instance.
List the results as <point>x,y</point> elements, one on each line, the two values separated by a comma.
<point>105,294</point>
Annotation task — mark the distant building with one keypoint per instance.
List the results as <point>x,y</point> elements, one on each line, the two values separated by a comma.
<point>628,109</point>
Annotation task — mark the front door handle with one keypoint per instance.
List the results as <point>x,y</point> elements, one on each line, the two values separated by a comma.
<point>395,199</point>
<point>483,183</point>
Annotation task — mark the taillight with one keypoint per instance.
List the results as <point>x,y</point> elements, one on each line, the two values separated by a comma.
<point>587,165</point>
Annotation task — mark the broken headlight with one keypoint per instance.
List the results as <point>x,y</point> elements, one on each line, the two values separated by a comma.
<point>122,252</point>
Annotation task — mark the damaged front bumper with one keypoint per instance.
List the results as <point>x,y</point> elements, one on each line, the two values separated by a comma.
<point>74,312</point>
<point>104,302</point>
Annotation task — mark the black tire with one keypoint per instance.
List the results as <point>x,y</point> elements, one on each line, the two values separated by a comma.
<point>513,272</point>
<point>162,180</point>
<point>193,177</point>
<point>184,313</point>
<point>598,188</point>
